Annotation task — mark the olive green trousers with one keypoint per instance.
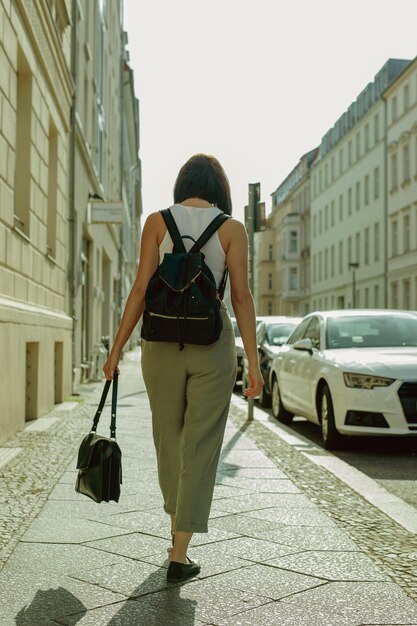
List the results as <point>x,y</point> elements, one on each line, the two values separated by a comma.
<point>189,393</point>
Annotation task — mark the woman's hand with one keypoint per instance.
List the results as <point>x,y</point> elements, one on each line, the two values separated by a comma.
<point>111,364</point>
<point>256,382</point>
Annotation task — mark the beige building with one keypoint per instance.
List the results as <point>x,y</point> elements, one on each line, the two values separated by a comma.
<point>35,100</point>
<point>68,136</point>
<point>349,204</point>
<point>283,248</point>
<point>401,155</point>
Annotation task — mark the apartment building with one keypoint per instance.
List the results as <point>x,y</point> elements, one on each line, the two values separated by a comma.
<point>70,197</point>
<point>35,100</point>
<point>349,204</point>
<point>283,248</point>
<point>401,156</point>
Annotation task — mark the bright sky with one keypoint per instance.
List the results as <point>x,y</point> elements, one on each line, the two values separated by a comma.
<point>256,83</point>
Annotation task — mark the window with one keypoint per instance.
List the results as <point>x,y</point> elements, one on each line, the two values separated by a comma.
<point>358,248</point>
<point>320,264</point>
<point>376,183</point>
<point>340,161</point>
<point>332,213</point>
<point>376,241</point>
<point>406,233</point>
<point>394,295</point>
<point>350,152</point>
<point>366,246</point>
<point>52,190</point>
<point>350,201</point>
<point>270,252</point>
<point>293,247</point>
<point>299,331</point>
<point>23,144</point>
<point>314,268</point>
<point>320,212</point>
<point>358,196</point>
<point>332,261</point>
<point>406,163</point>
<point>394,109</point>
<point>293,279</point>
<point>332,169</point>
<point>269,308</point>
<point>406,294</point>
<point>320,180</point>
<point>326,174</point>
<point>326,264</point>
<point>394,238</point>
<point>366,298</point>
<point>340,257</point>
<point>340,208</point>
<point>269,281</point>
<point>314,225</point>
<point>313,332</point>
<point>376,296</point>
<point>366,190</point>
<point>326,217</point>
<point>350,260</point>
<point>376,128</point>
<point>358,146</point>
<point>406,97</point>
<point>394,171</point>
<point>366,131</point>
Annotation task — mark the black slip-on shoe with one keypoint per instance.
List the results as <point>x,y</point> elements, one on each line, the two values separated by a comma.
<point>178,572</point>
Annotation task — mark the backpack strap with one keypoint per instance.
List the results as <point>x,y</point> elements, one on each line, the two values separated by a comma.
<point>173,230</point>
<point>209,232</point>
<point>203,239</point>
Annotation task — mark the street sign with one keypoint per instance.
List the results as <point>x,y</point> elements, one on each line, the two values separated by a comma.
<point>100,212</point>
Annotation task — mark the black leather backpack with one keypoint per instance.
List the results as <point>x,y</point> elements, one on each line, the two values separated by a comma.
<point>182,303</point>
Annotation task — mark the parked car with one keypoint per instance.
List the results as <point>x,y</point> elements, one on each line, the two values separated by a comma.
<point>352,372</point>
<point>271,333</point>
<point>240,351</point>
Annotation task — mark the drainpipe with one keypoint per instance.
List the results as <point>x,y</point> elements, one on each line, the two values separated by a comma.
<point>72,218</point>
<point>385,222</point>
<point>121,162</point>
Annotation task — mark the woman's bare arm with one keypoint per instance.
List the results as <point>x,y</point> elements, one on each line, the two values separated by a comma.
<point>135,304</point>
<point>242,300</point>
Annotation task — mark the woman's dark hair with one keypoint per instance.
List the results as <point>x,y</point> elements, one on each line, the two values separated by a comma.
<point>203,177</point>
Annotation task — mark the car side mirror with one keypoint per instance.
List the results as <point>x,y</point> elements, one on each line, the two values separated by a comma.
<point>304,345</point>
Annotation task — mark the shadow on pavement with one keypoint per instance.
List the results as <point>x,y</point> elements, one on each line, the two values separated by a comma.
<point>46,605</point>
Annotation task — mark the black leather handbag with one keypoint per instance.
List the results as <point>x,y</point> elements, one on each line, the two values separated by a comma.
<point>100,458</point>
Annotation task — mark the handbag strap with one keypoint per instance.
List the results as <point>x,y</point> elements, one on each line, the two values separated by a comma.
<point>113,405</point>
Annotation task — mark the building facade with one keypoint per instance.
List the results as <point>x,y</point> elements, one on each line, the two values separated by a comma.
<point>35,98</point>
<point>401,157</point>
<point>349,204</point>
<point>66,108</point>
<point>283,248</point>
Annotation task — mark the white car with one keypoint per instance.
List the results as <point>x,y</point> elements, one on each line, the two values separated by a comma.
<point>353,372</point>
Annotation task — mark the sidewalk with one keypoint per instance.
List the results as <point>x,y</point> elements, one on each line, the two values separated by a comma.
<point>271,557</point>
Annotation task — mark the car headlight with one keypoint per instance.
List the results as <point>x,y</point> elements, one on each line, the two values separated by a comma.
<point>365,381</point>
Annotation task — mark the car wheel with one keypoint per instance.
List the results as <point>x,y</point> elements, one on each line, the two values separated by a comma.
<point>264,398</point>
<point>331,437</point>
<point>278,410</point>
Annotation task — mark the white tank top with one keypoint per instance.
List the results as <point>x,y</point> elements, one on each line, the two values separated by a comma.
<point>193,221</point>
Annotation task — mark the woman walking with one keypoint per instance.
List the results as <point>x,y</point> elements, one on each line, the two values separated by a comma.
<point>190,390</point>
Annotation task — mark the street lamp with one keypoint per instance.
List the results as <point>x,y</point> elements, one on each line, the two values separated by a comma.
<point>353,267</point>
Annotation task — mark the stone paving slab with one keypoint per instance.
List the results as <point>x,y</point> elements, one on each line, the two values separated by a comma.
<point>352,566</point>
<point>268,581</point>
<point>60,530</point>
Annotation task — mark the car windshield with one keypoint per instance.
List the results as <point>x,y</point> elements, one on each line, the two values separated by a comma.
<point>371,331</point>
<point>278,334</point>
